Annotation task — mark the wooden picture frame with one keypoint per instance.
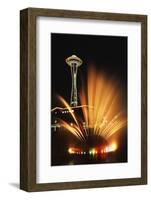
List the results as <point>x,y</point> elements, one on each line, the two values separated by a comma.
<point>28,99</point>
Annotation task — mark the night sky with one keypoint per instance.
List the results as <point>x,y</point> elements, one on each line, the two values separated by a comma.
<point>107,53</point>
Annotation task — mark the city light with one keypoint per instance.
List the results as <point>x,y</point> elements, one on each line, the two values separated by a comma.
<point>71,151</point>
<point>111,147</point>
<point>90,152</point>
<point>94,151</point>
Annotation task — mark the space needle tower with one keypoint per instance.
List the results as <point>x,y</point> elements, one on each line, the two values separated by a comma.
<point>74,62</point>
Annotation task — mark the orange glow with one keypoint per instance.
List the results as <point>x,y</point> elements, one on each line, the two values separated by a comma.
<point>113,146</point>
<point>102,95</point>
<point>103,112</point>
<point>73,150</point>
<point>70,151</point>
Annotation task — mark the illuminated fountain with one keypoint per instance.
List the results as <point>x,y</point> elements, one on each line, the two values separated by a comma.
<point>103,116</point>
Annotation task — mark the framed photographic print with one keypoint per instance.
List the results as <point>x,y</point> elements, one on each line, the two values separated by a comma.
<point>83,99</point>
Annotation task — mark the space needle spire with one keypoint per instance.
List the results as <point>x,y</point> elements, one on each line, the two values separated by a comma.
<point>74,62</point>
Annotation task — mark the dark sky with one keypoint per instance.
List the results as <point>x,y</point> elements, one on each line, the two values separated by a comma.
<point>108,53</point>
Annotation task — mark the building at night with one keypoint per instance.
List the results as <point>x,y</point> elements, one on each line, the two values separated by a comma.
<point>59,113</point>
